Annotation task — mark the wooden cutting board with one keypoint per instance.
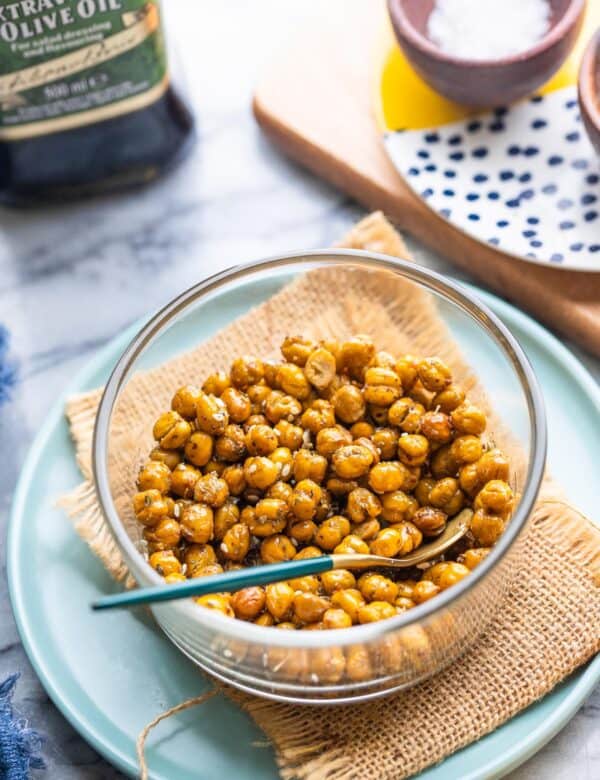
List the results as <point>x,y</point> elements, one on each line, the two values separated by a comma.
<point>317,103</point>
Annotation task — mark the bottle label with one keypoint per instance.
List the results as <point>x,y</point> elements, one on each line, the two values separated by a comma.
<point>69,63</point>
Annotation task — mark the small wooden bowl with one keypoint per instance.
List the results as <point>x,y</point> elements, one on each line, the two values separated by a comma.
<point>589,90</point>
<point>485,83</point>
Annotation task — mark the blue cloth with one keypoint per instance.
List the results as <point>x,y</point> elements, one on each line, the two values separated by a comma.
<point>8,368</point>
<point>19,745</point>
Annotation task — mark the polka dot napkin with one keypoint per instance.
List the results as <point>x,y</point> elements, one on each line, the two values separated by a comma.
<point>525,179</point>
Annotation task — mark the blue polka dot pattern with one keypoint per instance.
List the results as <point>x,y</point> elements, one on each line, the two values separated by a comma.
<point>524,179</point>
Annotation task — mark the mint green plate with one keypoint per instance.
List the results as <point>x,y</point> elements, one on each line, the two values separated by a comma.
<point>110,675</point>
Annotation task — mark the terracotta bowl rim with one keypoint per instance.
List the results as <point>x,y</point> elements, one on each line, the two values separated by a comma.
<point>406,28</point>
<point>588,88</point>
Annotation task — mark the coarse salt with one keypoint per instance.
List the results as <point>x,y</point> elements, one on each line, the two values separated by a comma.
<point>487,29</point>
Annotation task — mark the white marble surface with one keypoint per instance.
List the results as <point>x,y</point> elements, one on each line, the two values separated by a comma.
<point>71,278</point>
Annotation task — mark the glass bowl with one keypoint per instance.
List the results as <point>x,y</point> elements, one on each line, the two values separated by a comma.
<point>329,666</point>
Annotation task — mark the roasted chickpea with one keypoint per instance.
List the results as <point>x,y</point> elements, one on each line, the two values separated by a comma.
<point>214,466</point>
<point>493,464</point>
<point>469,419</point>
<point>318,414</point>
<point>165,563</point>
<point>337,579</point>
<point>171,431</point>
<point>216,383</point>
<point>449,399</point>
<point>331,439</point>
<point>236,542</point>
<point>446,574</point>
<point>277,548</point>
<point>249,602</point>
<point>309,607</point>
<point>466,449</point>
<point>231,446</point>
<point>382,386</point>
<point>494,496</point>
<point>261,440</point>
<point>430,521</point>
<point>386,442</point>
<point>389,543</point>
<point>219,602</point>
<point>280,406</point>
<point>257,395</point>
<point>308,584</point>
<point>402,604</point>
<point>352,461</point>
<point>366,530</point>
<point>305,499</point>
<point>199,448</point>
<point>225,517</point>
<point>166,534</point>
<point>434,374</point>
<point>269,517</point>
<point>266,619</point>
<point>362,505</point>
<point>281,490</point>
<point>296,349</point>
<point>421,396</point>
<point>237,403</point>
<point>379,414</point>
<point>376,587</point>
<point>211,415</point>
<point>350,600</point>
<point>170,458</point>
<point>486,528</point>
<point>356,354</point>
<point>197,523</point>
<point>445,494</point>
<point>468,479</point>
<point>397,506</point>
<point>211,489</point>
<point>154,475</point>
<point>284,460</point>
<point>413,449</point>
<point>197,557</point>
<point>150,506</point>
<point>235,479</point>
<point>473,557</point>
<point>290,436</point>
<point>184,401</point>
<point>336,618</point>
<point>376,610</point>
<point>443,462</point>
<point>437,427</point>
<point>302,531</point>
<point>362,430</point>
<point>424,590</point>
<point>407,369</point>
<point>411,536</point>
<point>327,665</point>
<point>175,577</point>
<point>260,472</point>
<point>308,552</point>
<point>246,371</point>
<point>279,600</point>
<point>388,476</point>
<point>309,465</point>
<point>331,532</point>
<point>340,487</point>
<point>349,404</point>
<point>292,381</point>
<point>351,544</point>
<point>320,368</point>
<point>255,419</point>
<point>406,414</point>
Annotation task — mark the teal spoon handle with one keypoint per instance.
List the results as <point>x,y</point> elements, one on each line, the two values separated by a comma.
<point>217,583</point>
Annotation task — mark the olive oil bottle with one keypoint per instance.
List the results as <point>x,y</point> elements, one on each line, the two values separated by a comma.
<point>86,100</point>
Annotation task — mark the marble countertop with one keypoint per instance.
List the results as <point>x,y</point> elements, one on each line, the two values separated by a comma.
<point>235,198</point>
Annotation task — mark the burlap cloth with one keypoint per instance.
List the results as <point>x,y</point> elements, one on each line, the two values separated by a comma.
<point>548,626</point>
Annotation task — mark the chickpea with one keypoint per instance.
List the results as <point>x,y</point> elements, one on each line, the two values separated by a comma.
<point>405,588</point>
<point>350,600</point>
<point>486,528</point>
<point>184,401</point>
<point>437,427</point>
<point>331,439</point>
<point>150,506</point>
<point>277,548</point>
<point>280,406</point>
<point>279,600</point>
<point>257,395</point>
<point>466,449</point>
<point>473,557</point>
<point>352,461</point>
<point>430,521</point>
<point>170,458</point>
<point>386,442</point>
<point>197,557</point>
<point>211,489</point>
<point>421,395</point>
<point>261,440</point>
<point>376,610</point>
<point>325,507</point>
<point>407,369</point>
<point>211,415</point>
<point>246,371</point>
<point>171,579</point>
<point>468,418</point>
<point>199,448</point>
<point>402,604</point>
<point>255,419</point>
<point>307,495</point>
<point>249,602</point>
<point>284,460</point>
<point>358,664</point>
<point>308,584</point>
<point>434,374</point>
<point>225,518</point>
<point>231,446</point>
<point>237,403</point>
<point>351,544</point>
<point>397,506</point>
<point>270,369</point>
<point>308,552</point>
<point>218,602</point>
<point>362,430</point>
<point>290,436</point>
<point>269,517</point>
<point>236,542</point>
<point>154,475</point>
<point>166,534</point>
<point>443,463</point>
<point>445,494</point>
<point>302,531</point>
<point>171,431</point>
<point>389,543</point>
<point>366,530</point>
<point>413,449</point>
<point>424,590</point>
<point>292,381</point>
<point>493,465</point>
<point>235,479</point>
<point>406,414</point>
<point>369,445</point>
<point>362,505</point>
<point>388,476</point>
<point>382,386</point>
<point>266,619</point>
<point>449,399</point>
<point>412,537</point>
<point>216,383</point>
<point>309,465</point>
<point>376,587</point>
<point>309,607</point>
<point>165,563</point>
<point>468,479</point>
<point>336,618</point>
<point>356,354</point>
<point>327,664</point>
<point>494,496</point>
<point>214,466</point>
<point>349,404</point>
<point>337,579</point>
<point>340,487</point>
<point>281,490</point>
<point>331,532</point>
<point>320,368</point>
<point>197,523</point>
<point>318,415</point>
<point>379,414</point>
<point>260,472</point>
<point>296,349</point>
<point>446,574</point>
